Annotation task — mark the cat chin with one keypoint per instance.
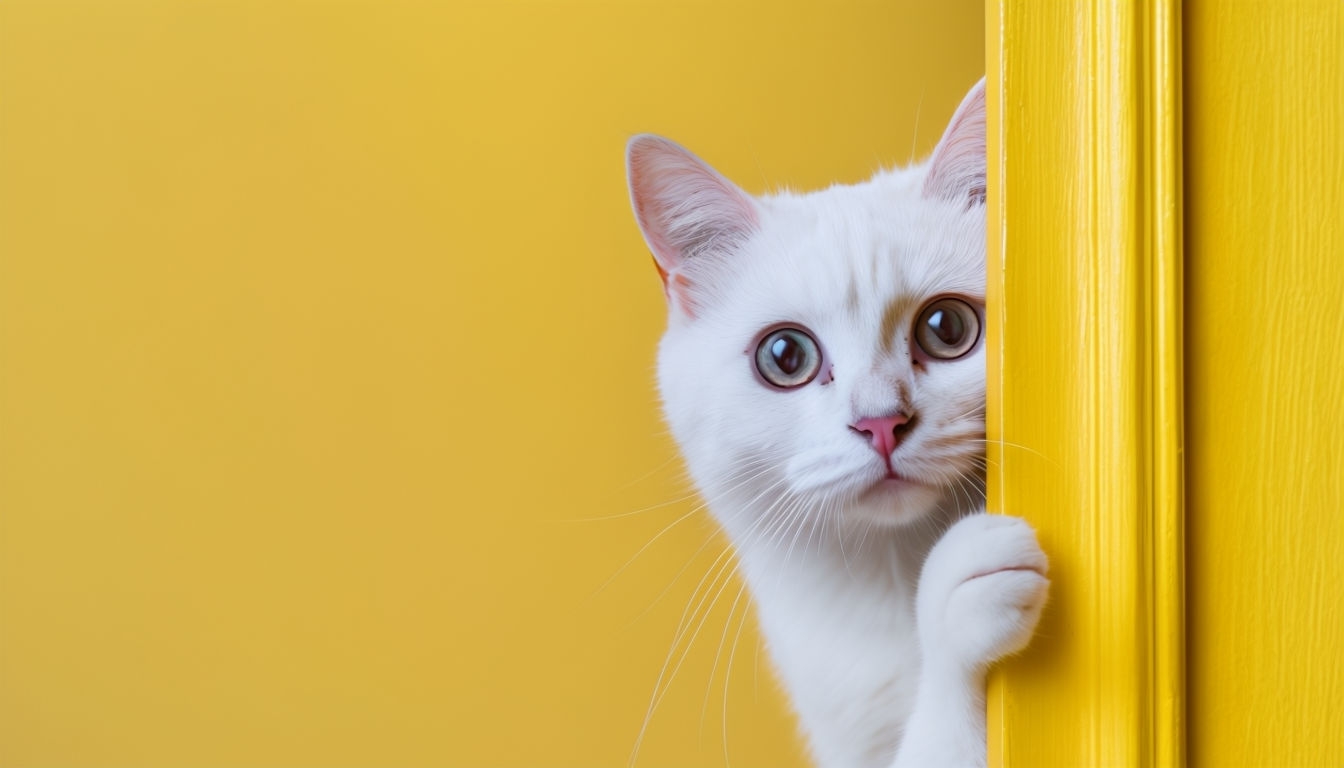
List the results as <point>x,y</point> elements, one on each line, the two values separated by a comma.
<point>895,503</point>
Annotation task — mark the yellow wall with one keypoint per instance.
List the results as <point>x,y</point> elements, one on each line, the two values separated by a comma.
<point>321,324</point>
<point>1265,370</point>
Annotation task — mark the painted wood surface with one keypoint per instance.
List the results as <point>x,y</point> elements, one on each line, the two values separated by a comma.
<point>1110,341</point>
<point>1084,419</point>
<point>1264,141</point>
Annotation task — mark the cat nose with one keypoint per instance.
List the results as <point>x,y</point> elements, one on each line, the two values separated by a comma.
<point>885,432</point>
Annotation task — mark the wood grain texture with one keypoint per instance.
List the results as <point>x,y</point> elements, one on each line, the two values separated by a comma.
<point>1085,420</point>
<point>1265,362</point>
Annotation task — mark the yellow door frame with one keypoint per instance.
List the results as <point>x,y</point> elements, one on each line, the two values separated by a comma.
<point>1084,420</point>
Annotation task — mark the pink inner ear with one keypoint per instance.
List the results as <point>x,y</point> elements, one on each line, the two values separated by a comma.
<point>662,273</point>
<point>958,167</point>
<point>676,289</point>
<point>685,210</point>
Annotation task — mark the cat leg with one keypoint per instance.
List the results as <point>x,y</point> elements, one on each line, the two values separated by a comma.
<point>980,595</point>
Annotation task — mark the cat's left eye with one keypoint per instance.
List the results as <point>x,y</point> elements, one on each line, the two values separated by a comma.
<point>947,329</point>
<point>788,358</point>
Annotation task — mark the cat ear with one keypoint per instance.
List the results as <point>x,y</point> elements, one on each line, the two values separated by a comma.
<point>685,209</point>
<point>957,171</point>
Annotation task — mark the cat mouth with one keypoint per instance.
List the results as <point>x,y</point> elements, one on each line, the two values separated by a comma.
<point>894,480</point>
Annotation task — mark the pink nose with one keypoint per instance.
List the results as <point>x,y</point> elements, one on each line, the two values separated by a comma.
<point>885,432</point>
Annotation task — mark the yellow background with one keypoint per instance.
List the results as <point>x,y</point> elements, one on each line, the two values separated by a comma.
<point>326,344</point>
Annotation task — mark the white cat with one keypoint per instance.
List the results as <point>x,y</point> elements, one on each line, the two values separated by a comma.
<point>823,371</point>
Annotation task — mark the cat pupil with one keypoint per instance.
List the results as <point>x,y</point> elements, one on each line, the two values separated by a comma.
<point>788,355</point>
<point>948,326</point>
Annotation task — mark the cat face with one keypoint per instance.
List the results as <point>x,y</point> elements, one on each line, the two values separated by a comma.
<point>824,358</point>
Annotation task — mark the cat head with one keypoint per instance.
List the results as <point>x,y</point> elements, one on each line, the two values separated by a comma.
<point>824,352</point>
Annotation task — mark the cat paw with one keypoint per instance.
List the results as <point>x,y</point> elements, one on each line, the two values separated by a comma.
<point>982,590</point>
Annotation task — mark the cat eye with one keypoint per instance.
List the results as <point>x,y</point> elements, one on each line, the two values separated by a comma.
<point>788,358</point>
<point>947,329</point>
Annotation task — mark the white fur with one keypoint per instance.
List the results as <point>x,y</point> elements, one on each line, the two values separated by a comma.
<point>881,606</point>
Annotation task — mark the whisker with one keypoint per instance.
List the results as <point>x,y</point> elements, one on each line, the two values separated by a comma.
<point>718,654</point>
<point>686,652</point>
<point>1020,447</point>
<point>743,481</point>
<point>674,580</point>
<point>688,615</point>
<point>632,513</point>
<point>683,624</point>
<point>641,551</point>
<point>649,474</point>
<point>727,677</point>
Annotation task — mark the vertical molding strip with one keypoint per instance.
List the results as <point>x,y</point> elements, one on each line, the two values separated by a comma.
<point>1163,25</point>
<point>1085,410</point>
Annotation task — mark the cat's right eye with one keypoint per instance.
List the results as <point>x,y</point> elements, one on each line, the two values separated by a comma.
<point>947,329</point>
<point>788,358</point>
